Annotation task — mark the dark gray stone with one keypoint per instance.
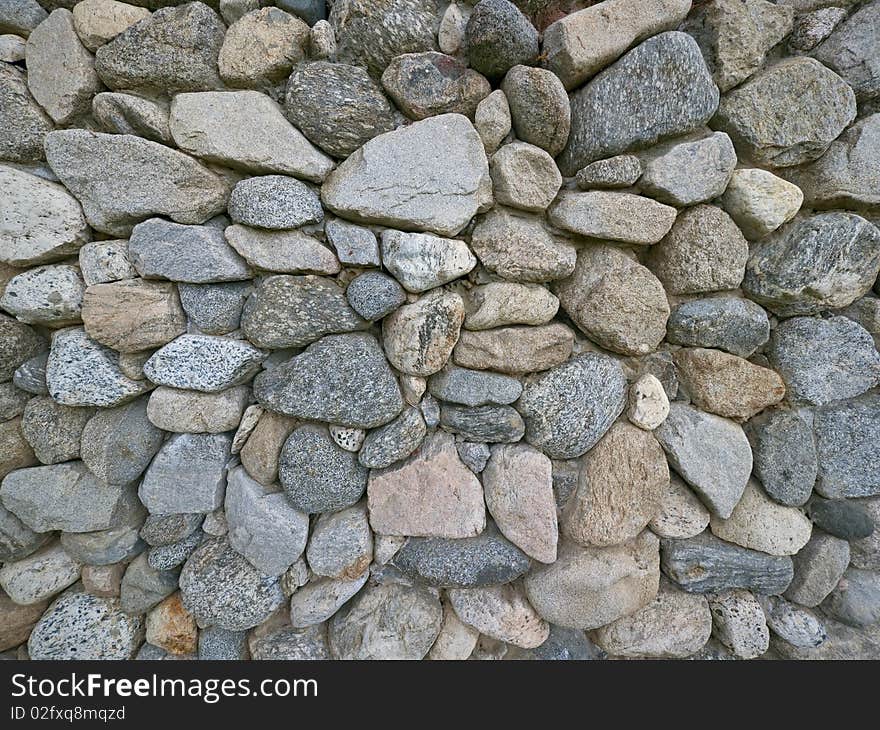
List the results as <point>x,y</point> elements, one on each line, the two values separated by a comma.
<point>856,599</point>
<point>276,202</point>
<point>853,52</point>
<point>841,518</point>
<point>175,49</point>
<point>487,559</point>
<point>738,326</point>
<point>217,644</point>
<point>293,311</point>
<point>823,360</point>
<point>317,475</point>
<point>810,265</point>
<point>342,379</point>
<point>214,309</point>
<point>30,376</point>
<point>106,547</point>
<point>54,431</point>
<point>18,344</point>
<point>144,587</point>
<point>160,530</point>
<point>848,445</point>
<point>220,587</point>
<point>474,456</point>
<point>570,407</point>
<point>705,564</point>
<point>374,295</point>
<point>563,644</point>
<point>20,16</point>
<point>660,89</point>
<point>23,123</point>
<point>784,455</point>
<point>473,387</point>
<point>394,441</point>
<point>498,37</point>
<point>491,424</point>
<point>310,11</point>
<point>336,106</point>
<point>539,108</point>
<point>168,557</point>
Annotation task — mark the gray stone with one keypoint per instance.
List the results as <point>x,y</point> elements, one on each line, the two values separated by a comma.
<point>204,363</point>
<point>394,441</point>
<point>489,423</point>
<point>420,261</point>
<point>81,372</point>
<point>64,497</point>
<point>373,295</point>
<point>735,325</point>
<point>12,48</point>
<point>22,121</point>
<point>499,37</point>
<point>288,251</point>
<point>341,544</point>
<point>846,175</point>
<point>841,518</point>
<point>117,544</point>
<point>216,644</point>
<point>220,587</point>
<point>19,344</point>
<point>159,249</point>
<point>130,114</point>
<point>215,309</point>
<point>851,50</point>
<point>539,107</point>
<point>626,107</point>
<point>711,453</point>
<point>262,524</point>
<point>275,202</point>
<point>524,176</point>
<point>30,376</point>
<point>118,443</point>
<point>400,179</point>
<point>319,599</point>
<point>502,613</point>
<point>688,172</point>
<point>160,530</point>
<point>17,540</point>
<point>189,411</point>
<point>562,645</point>
<point>342,379</point>
<point>36,232</point>
<point>168,557</point>
<point>187,474</point>
<point>681,514</point>
<point>474,456</point>
<point>386,621</point>
<point>101,262</point>
<point>21,16</point>
<point>426,84</point>
<point>823,360</point>
<point>620,171</point>
<point>294,311</point>
<point>492,118</point>
<point>54,44</point>
<point>53,430</point>
<point>175,49</point>
<point>473,387</point>
<point>338,107</point>
<point>788,114</point>
<point>515,350</point>
<point>848,447</point>
<point>813,27</point>
<point>613,216</point>
<point>705,251</point>
<point>47,295</point>
<point>292,645</point>
<point>856,599</point>
<point>12,401</point>
<point>82,626</point>
<point>823,262</point>
<point>784,455</point>
<point>866,549</point>
<point>104,170</point>
<point>317,475</point>
<point>738,622</point>
<point>520,248</point>
<point>568,409</point>
<point>143,586</point>
<point>371,34</point>
<point>501,303</point>
<point>818,568</point>
<point>16,451</point>
<point>40,576</point>
<point>419,337</point>
<point>793,624</point>
<point>615,300</point>
<point>353,244</point>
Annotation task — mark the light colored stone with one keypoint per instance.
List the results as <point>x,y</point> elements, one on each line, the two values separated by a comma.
<point>39,576</point>
<point>501,612</point>
<point>680,515</point>
<point>515,350</point>
<point>518,488</point>
<point>16,452</point>
<point>524,176</point>
<point>259,455</point>
<point>321,598</point>
<point>17,622</point>
<point>818,568</point>
<point>289,252</point>
<point>648,404</point>
<point>129,114</point>
<point>189,411</point>
<point>420,261</point>
<point>12,48</point>
<point>739,623</point>
<point>492,120</point>
<point>430,494</point>
<point>456,640</point>
<point>613,216</point>
<point>498,304</point>
<point>419,337</point>
<point>101,262</point>
<point>51,296</point>
<point>759,201</point>
<point>341,544</point>
<point>53,430</point>
<point>99,21</point>
<point>171,627</point>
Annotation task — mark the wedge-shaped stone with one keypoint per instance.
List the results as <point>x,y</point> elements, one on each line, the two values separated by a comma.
<point>613,216</point>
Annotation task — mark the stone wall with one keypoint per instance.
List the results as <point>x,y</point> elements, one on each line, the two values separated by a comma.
<point>405,329</point>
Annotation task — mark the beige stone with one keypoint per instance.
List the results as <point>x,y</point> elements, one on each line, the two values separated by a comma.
<point>289,252</point>
<point>759,201</point>
<point>648,404</point>
<point>429,494</point>
<point>588,587</point>
<point>456,640</point>
<point>759,523</point>
<point>501,612</point>
<point>259,455</point>
<point>674,625</point>
<point>16,622</point>
<point>727,385</point>
<point>502,303</point>
<point>104,581</point>
<point>681,514</point>
<point>191,411</point>
<point>171,627</point>
<point>15,451</point>
<point>619,488</point>
<point>524,176</point>
<point>515,350</point>
<point>613,216</point>
<point>492,120</point>
<point>615,301</point>
<point>419,337</point>
<point>739,623</point>
<point>133,315</point>
<point>99,21</point>
<point>518,487</point>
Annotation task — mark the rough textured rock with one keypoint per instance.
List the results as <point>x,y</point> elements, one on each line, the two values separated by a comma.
<point>129,114</point>
<point>53,430</point>
<point>499,303</point>
<point>524,176</point>
<point>842,518</point>
<point>851,51</point>
<point>846,444</point>
<point>499,37</point>
<point>420,261</point>
<point>588,587</point>
<point>40,576</point>
<point>818,568</point>
<point>647,404</point>
<point>321,598</point>
<point>759,201</point>
<point>784,455</point>
<point>514,350</point>
<point>101,262</point>
<point>640,107</point>
<point>615,301</point>
<point>492,119</point>
<point>99,21</point>
<point>48,295</point>
<point>473,387</point>
<point>591,389</point>
<point>739,623</point>
<point>738,326</point>
<point>818,105</point>
<point>419,337</point>
<point>23,121</point>
<point>494,424</point>
<point>613,216</point>
<point>341,544</point>
<point>282,251</point>
<point>101,170</point>
<point>189,411</point>
<point>539,108</point>
<point>712,454</point>
<point>680,514</point>
<point>441,178</point>
<point>501,612</point>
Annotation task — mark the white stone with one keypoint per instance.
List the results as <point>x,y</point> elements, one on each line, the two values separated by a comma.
<point>420,261</point>
<point>648,404</point>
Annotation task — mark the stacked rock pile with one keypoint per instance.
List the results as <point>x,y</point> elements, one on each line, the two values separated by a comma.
<point>369,329</point>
